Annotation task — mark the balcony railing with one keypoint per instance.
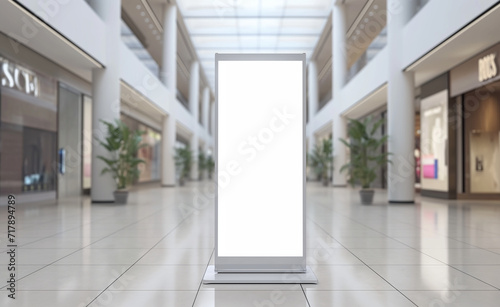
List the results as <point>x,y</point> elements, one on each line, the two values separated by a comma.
<point>373,49</point>
<point>184,102</point>
<point>134,44</point>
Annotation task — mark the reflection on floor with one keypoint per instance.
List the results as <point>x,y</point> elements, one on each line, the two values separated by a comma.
<point>154,251</point>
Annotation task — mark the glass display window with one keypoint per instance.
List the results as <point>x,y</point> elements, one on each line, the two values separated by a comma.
<point>481,112</point>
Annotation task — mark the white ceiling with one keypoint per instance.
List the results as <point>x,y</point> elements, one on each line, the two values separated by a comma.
<point>253,26</point>
<point>47,42</point>
<point>471,40</point>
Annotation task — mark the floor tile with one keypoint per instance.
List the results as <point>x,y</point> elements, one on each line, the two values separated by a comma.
<point>172,277</point>
<point>42,255</point>
<point>487,273</point>
<point>72,277</point>
<point>488,242</point>
<point>393,256</point>
<point>104,256</point>
<point>494,250</point>
<point>60,242</point>
<point>323,241</point>
<point>114,297</point>
<point>250,287</point>
<point>186,242</point>
<point>429,277</point>
<point>250,299</point>
<point>464,256</point>
<point>432,242</point>
<point>123,242</point>
<point>454,298</point>
<point>331,256</point>
<point>406,245</point>
<point>20,271</point>
<point>49,298</point>
<point>345,277</point>
<point>357,298</point>
<point>176,256</point>
<point>382,242</point>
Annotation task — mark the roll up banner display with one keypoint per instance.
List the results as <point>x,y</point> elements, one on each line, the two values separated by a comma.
<point>260,170</point>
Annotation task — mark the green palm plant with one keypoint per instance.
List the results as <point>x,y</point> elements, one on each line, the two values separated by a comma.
<point>210,163</point>
<point>366,156</point>
<point>321,159</point>
<point>183,161</point>
<point>122,145</point>
<point>202,164</point>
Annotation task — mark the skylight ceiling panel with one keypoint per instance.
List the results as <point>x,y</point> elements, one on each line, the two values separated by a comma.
<point>302,26</point>
<point>248,26</point>
<point>211,8</point>
<point>216,41</point>
<point>295,41</point>
<point>204,26</point>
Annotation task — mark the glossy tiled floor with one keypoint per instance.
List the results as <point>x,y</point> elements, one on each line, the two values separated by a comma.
<point>154,251</point>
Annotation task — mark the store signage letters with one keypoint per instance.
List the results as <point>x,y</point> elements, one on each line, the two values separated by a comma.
<point>487,67</point>
<point>19,78</point>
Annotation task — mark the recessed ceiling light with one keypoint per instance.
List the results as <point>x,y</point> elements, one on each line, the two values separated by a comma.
<point>146,20</point>
<point>366,20</point>
<point>375,6</point>
<point>150,26</point>
<point>370,14</point>
<point>143,14</point>
<point>138,6</point>
<point>362,26</point>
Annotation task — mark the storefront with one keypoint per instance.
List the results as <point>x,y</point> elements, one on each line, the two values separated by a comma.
<point>435,163</point>
<point>150,152</point>
<point>28,131</point>
<point>460,131</point>
<point>41,122</point>
<point>475,91</point>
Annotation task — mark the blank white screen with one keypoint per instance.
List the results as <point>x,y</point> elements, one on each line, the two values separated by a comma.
<point>260,130</point>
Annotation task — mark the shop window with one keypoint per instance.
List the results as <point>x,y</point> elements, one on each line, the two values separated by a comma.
<point>28,131</point>
<point>150,153</point>
<point>39,160</point>
<point>434,142</point>
<point>482,139</point>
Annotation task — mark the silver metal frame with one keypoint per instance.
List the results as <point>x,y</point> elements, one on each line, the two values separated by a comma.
<point>212,277</point>
<point>261,264</point>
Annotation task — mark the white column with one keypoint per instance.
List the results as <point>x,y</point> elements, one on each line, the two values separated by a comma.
<point>168,152</point>
<point>206,107</point>
<point>169,77</point>
<point>400,107</point>
<point>194,100</point>
<point>339,71</point>
<point>311,143</point>
<point>312,86</point>
<point>212,116</point>
<point>105,97</point>
<point>169,54</point>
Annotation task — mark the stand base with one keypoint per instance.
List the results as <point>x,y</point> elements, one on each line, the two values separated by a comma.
<point>211,277</point>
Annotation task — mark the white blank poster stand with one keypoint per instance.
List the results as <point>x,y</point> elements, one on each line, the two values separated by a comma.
<point>260,166</point>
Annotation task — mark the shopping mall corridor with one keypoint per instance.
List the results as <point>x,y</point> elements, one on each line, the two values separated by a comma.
<point>154,252</point>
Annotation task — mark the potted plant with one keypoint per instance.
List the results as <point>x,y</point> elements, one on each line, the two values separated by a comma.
<point>122,145</point>
<point>183,161</point>
<point>366,156</point>
<point>202,164</point>
<point>321,159</point>
<point>210,164</point>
